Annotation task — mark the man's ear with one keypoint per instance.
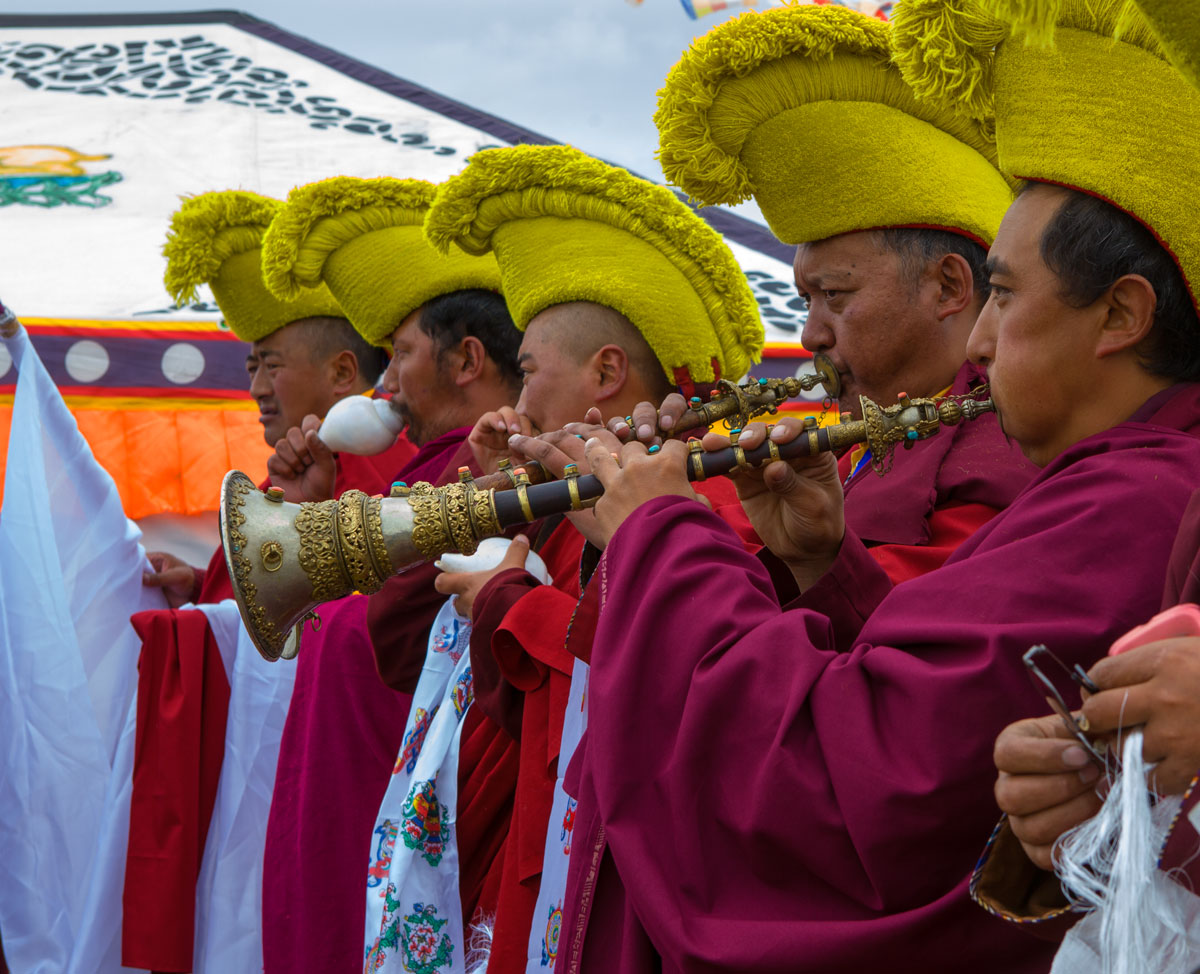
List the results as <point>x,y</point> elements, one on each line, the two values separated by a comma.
<point>470,359</point>
<point>343,369</point>
<point>956,284</point>
<point>610,366</point>
<point>1127,314</point>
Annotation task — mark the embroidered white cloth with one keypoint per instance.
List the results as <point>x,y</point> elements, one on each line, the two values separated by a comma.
<point>414,913</point>
<point>547,914</point>
<point>414,910</point>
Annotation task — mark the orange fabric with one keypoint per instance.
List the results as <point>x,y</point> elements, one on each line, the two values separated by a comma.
<point>166,460</point>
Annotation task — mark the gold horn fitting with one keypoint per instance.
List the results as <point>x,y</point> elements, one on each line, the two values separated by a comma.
<point>236,490</point>
<point>285,559</point>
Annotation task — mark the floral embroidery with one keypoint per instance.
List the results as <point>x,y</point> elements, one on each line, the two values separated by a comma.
<point>411,748</point>
<point>550,938</point>
<point>568,826</point>
<point>423,821</point>
<point>463,692</point>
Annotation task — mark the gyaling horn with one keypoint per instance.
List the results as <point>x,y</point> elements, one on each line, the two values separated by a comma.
<point>286,559</point>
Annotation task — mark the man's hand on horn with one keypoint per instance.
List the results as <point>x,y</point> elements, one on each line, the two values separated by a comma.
<point>795,506</point>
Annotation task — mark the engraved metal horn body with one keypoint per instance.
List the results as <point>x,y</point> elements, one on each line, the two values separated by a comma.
<point>285,559</point>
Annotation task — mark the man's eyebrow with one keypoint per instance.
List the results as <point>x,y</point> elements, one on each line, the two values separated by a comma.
<point>994,265</point>
<point>524,357</point>
<point>818,280</point>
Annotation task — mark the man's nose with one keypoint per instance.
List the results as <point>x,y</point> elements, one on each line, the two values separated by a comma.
<point>260,384</point>
<point>817,336</point>
<point>981,343</point>
<point>391,378</point>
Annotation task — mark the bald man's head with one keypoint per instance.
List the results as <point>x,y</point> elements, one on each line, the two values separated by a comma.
<point>582,328</point>
<point>579,355</point>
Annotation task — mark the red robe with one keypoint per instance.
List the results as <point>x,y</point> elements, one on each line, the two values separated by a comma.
<point>183,702</point>
<point>805,787</point>
<point>936,494</point>
<point>522,671</point>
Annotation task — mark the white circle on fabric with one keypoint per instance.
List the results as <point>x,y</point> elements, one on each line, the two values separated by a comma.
<point>86,361</point>
<point>182,363</point>
<point>5,361</point>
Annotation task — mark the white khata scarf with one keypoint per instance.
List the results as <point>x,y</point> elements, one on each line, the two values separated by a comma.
<point>547,914</point>
<point>414,920</point>
<point>1138,919</point>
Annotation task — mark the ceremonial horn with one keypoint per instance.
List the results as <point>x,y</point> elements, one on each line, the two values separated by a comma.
<point>360,425</point>
<point>286,559</point>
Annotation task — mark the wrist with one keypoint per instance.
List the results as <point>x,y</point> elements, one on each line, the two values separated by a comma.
<point>808,568</point>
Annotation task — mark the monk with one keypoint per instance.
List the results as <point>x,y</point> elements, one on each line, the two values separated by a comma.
<point>453,357</point>
<point>400,614</point>
<point>520,659</point>
<point>891,268</point>
<point>613,313</point>
<point>845,791</point>
<point>303,357</point>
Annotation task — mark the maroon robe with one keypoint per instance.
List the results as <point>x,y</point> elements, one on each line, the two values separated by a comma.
<point>806,788</point>
<point>1008,884</point>
<point>936,494</point>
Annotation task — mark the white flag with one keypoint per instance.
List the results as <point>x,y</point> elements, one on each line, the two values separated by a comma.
<point>70,577</point>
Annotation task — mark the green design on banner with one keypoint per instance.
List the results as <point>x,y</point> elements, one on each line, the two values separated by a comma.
<point>50,191</point>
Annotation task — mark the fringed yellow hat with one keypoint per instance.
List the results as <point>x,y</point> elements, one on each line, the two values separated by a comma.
<point>1176,24</point>
<point>567,227</point>
<point>215,239</point>
<point>1102,110</point>
<point>363,238</point>
<point>801,108</point>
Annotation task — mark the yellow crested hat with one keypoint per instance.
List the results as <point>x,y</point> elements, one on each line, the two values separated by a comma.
<point>801,108</point>
<point>215,239</point>
<point>1083,96</point>
<point>1176,24</point>
<point>566,227</point>
<point>363,238</point>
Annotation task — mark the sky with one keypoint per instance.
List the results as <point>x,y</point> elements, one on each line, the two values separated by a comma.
<point>579,71</point>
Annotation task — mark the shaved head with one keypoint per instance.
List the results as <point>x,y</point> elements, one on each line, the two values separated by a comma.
<point>581,328</point>
<point>325,337</point>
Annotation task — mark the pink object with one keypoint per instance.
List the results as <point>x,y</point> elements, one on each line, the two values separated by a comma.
<point>1179,620</point>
